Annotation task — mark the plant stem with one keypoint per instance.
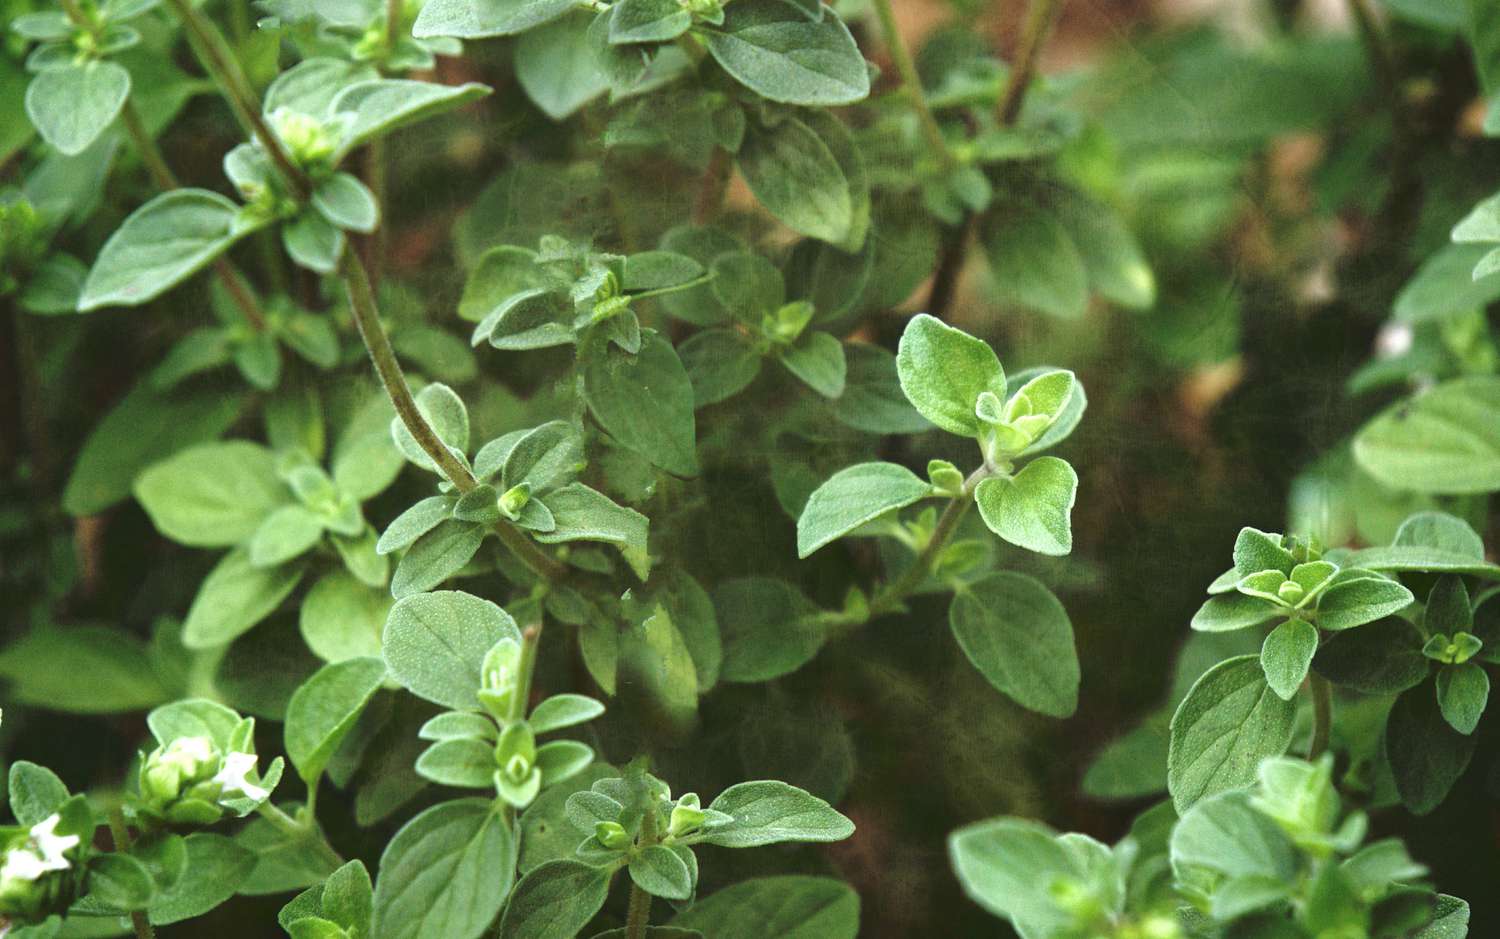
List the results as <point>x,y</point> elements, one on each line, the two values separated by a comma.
<point>392,24</point>
<point>1322,696</point>
<point>1039,19</point>
<point>162,175</point>
<point>378,344</point>
<point>121,837</point>
<point>891,597</point>
<point>216,56</point>
<point>530,637</point>
<point>911,83</point>
<point>715,184</point>
<point>638,915</point>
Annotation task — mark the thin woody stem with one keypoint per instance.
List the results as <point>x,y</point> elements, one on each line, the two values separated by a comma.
<point>911,83</point>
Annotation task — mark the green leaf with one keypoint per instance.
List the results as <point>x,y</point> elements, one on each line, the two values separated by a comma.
<point>445,874</point>
<point>1033,260</point>
<point>1256,551</point>
<point>344,201</point>
<point>193,717</point>
<point>1443,441</point>
<point>544,458</point>
<point>465,19</point>
<point>747,285</point>
<point>559,67</point>
<point>435,644</point>
<point>1230,611</point>
<point>1384,657</point>
<point>659,871</point>
<point>528,319</point>
<point>1445,287</point>
<point>436,556</point>
<point>852,497</point>
<point>1032,509</point>
<point>213,495</point>
<point>323,710</point>
<point>1225,834</point>
<point>770,812</point>
<point>648,21</point>
<point>35,792</point>
<point>71,106</point>
<point>342,617</point>
<point>818,362</point>
<point>161,244</point>
<point>1116,266</point>
<point>1286,655</point>
<point>1229,722</point>
<point>555,901</point>
<point>215,868</point>
<point>313,242</point>
<point>1007,865</point>
<point>796,177</point>
<point>145,427</point>
<point>451,725</point>
<point>1426,755</point>
<point>720,363</point>
<point>376,108</point>
<point>310,86</point>
<point>459,761</point>
<point>1429,541</point>
<point>769,628</point>
<point>1018,635</point>
<point>563,710</point>
<point>780,54</point>
<point>415,522</point>
<point>81,670</point>
<point>287,533</point>
<point>1450,921</point>
<point>583,514</point>
<point>1360,599</point>
<point>1462,692</point>
<point>872,400</point>
<point>645,402</point>
<point>787,907</point>
<point>234,597</point>
<point>120,882</point>
<point>349,897</point>
<point>943,371</point>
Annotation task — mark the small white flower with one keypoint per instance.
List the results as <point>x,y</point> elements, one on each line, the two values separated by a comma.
<point>52,845</point>
<point>232,777</point>
<point>21,864</point>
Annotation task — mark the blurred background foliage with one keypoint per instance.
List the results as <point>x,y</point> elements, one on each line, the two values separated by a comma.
<point>1291,178</point>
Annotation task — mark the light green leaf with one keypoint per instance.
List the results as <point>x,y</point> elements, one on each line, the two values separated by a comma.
<point>376,108</point>
<point>82,670</point>
<point>1445,286</point>
<point>1034,261</point>
<point>796,177</point>
<point>313,242</point>
<point>770,812</point>
<point>943,371</point>
<point>780,54</point>
<point>645,401</point>
<point>71,106</point>
<point>555,901</point>
<point>1286,655</point>
<point>212,495</point>
<point>234,597</point>
<point>1443,441</point>
<point>769,628</point>
<point>544,458</point>
<point>563,710</point>
<point>415,522</point>
<point>1225,834</point>
<point>1018,635</point>
<point>852,497</point>
<point>35,792</point>
<point>310,86</point>
<point>559,67</point>
<point>342,618</point>
<point>1229,722</point>
<point>648,21</point>
<point>660,872</point>
<point>1354,601</point>
<point>436,556</point>
<point>287,533</point>
<point>323,710</point>
<point>787,907</point>
<point>435,644</point>
<point>345,201</point>
<point>445,874</point>
<point>818,362</point>
<point>215,869</point>
<point>1007,865</point>
<point>583,514</point>
<point>160,245</point>
<point>1032,509</point>
<point>1462,693</point>
<point>466,19</point>
<point>1116,266</point>
<point>464,762</point>
<point>120,882</point>
<point>1231,611</point>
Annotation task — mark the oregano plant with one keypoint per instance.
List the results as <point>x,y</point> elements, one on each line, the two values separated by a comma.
<point>501,468</point>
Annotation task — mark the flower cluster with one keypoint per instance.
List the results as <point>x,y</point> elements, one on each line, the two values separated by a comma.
<point>34,874</point>
<point>190,781</point>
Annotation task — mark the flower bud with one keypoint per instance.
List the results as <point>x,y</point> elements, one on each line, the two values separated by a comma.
<point>306,138</point>
<point>499,673</point>
<point>686,816</point>
<point>612,835</point>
